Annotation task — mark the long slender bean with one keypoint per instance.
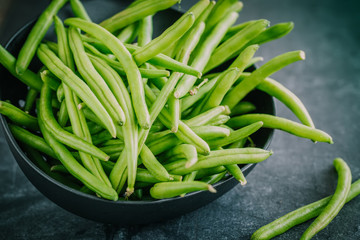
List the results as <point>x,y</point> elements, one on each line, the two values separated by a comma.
<point>37,33</point>
<point>79,10</point>
<point>27,77</point>
<point>128,34</point>
<point>283,124</point>
<point>145,30</point>
<point>172,189</point>
<point>335,204</point>
<point>18,116</point>
<point>152,164</point>
<point>30,100</point>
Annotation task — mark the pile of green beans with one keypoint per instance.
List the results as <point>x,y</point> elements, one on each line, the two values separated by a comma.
<point>114,110</point>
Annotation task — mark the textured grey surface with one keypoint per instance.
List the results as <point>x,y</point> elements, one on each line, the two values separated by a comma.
<point>298,173</point>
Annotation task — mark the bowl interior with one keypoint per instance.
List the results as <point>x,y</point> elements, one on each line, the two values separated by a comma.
<point>92,207</point>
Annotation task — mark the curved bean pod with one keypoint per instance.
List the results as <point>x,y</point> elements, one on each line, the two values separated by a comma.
<point>335,204</point>
<point>172,189</point>
<point>18,116</point>
<point>283,124</point>
<point>79,10</point>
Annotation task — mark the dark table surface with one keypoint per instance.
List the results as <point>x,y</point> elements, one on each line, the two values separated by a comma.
<point>298,173</point>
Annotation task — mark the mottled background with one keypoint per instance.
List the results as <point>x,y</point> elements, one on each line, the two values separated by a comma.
<point>298,173</point>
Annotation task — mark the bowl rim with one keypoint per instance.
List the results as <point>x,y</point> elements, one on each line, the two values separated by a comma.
<point>11,140</point>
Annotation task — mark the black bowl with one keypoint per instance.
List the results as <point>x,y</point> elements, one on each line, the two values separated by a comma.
<point>92,207</point>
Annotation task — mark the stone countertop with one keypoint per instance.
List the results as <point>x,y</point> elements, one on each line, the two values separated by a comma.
<point>299,172</point>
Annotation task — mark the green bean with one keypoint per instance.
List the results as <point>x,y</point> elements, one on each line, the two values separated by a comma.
<point>63,115</point>
<point>126,60</point>
<point>36,157</point>
<point>242,61</point>
<point>214,178</point>
<point>236,172</point>
<point>188,178</point>
<point>135,13</point>
<point>336,203</point>
<point>79,10</point>
<point>174,111</point>
<point>29,78</point>
<point>30,99</point>
<point>111,149</point>
<point>253,61</point>
<point>153,165</point>
<point>37,33</point>
<point>145,30</point>
<point>60,93</point>
<point>242,108</point>
<point>172,34</point>
<point>285,96</point>
<point>299,216</point>
<point>238,41</point>
<point>186,151</point>
<point>237,135</point>
<point>112,142</point>
<point>204,53</point>
<point>205,117</point>
<point>59,133</point>
<point>189,43</point>
<point>209,171</point>
<point>172,189</point>
<point>164,144</point>
<point>283,124</point>
<point>32,140</point>
<point>157,135</point>
<point>211,132</point>
<point>215,160</point>
<point>18,116</point>
<point>256,77</point>
<point>129,33</point>
<point>221,87</point>
<point>93,78</point>
<point>143,175</point>
<point>56,66</point>
<point>73,166</point>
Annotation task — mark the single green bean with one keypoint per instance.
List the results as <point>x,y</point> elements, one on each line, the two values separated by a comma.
<point>256,77</point>
<point>236,172</point>
<point>174,111</point>
<point>285,96</point>
<point>126,60</point>
<point>236,28</point>
<point>145,30</point>
<point>219,120</point>
<point>135,13</point>
<point>153,165</point>
<point>214,178</point>
<point>32,140</point>
<point>28,77</point>
<point>172,189</point>
<point>283,124</point>
<point>18,116</point>
<point>299,216</point>
<point>143,175</point>
<point>63,116</point>
<point>37,33</point>
<point>66,75</point>
<point>335,204</point>
<point>30,100</point>
<point>79,10</point>
<point>211,132</point>
<point>205,117</point>
<point>53,81</point>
